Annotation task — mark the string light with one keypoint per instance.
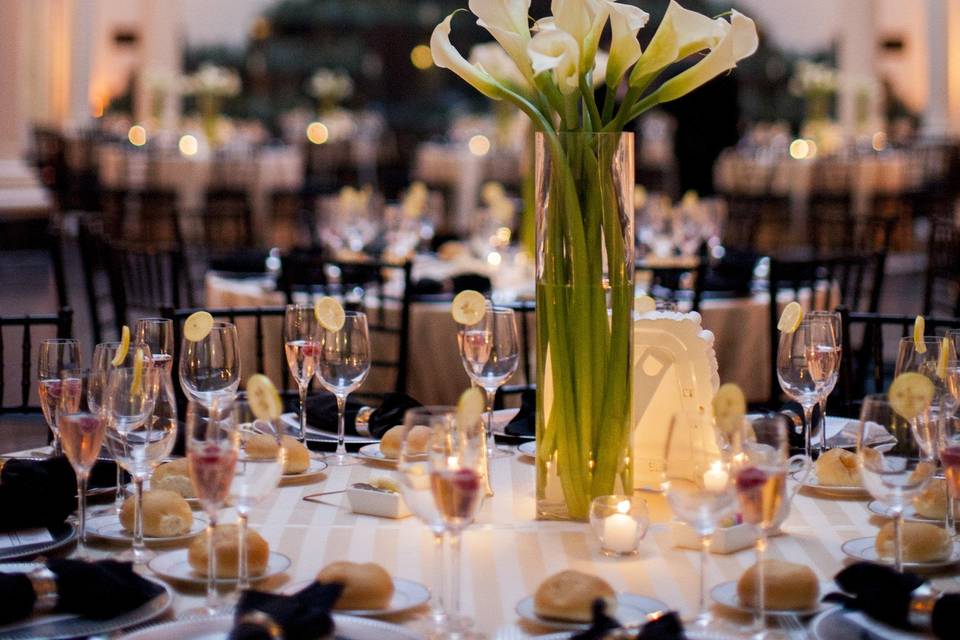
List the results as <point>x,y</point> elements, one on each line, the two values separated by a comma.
<point>317,133</point>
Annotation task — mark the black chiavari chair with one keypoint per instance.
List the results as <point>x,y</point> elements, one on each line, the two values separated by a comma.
<point>227,220</point>
<point>57,325</point>
<point>942,279</point>
<point>524,379</point>
<point>144,279</point>
<point>677,284</point>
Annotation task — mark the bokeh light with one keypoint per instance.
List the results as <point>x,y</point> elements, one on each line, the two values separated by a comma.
<point>137,135</point>
<point>317,133</point>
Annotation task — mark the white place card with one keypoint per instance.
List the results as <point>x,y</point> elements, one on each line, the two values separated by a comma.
<point>21,538</point>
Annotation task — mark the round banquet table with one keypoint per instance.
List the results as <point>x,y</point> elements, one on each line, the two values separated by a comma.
<point>507,553</point>
<point>435,374</point>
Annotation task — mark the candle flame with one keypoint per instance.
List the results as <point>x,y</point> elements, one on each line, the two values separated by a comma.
<point>623,506</point>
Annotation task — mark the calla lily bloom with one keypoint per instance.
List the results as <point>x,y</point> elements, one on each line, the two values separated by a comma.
<point>625,22</point>
<point>446,56</point>
<point>507,22</point>
<point>557,51</point>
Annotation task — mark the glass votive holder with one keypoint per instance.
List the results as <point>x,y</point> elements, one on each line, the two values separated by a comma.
<point>620,523</point>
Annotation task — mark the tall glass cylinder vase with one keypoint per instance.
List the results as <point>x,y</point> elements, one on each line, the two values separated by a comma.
<point>584,196</point>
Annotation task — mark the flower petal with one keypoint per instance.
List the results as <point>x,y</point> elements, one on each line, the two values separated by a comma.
<point>507,22</point>
<point>625,22</point>
<point>556,51</point>
<point>446,56</point>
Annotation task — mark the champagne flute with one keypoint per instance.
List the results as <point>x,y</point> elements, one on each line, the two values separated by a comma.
<point>761,491</point>
<point>157,334</point>
<point>103,355</point>
<point>795,374</point>
<point>343,362</point>
<point>56,354</point>
<point>301,344</point>
<point>81,432</point>
<point>827,366</point>
<point>925,361</point>
<point>892,464</point>
<point>702,502</point>
<point>490,352</point>
<point>414,470</point>
<point>136,442</point>
<point>256,474</point>
<point>455,456</point>
<point>212,450</point>
<point>210,367</point>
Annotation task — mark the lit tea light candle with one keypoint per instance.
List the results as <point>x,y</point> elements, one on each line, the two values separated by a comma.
<point>715,479</point>
<point>620,530</point>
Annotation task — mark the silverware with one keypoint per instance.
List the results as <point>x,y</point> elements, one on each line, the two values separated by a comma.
<point>312,497</point>
<point>795,628</point>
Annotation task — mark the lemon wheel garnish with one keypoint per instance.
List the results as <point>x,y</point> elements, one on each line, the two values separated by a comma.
<point>946,355</point>
<point>729,407</point>
<point>919,326</point>
<point>329,313</point>
<point>791,318</point>
<point>138,359</point>
<point>470,407</point>
<point>263,397</point>
<point>644,304</point>
<point>910,394</point>
<point>197,326</point>
<point>469,307</point>
<point>123,348</point>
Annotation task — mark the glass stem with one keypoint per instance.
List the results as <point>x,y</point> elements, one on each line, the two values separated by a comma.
<point>951,511</point>
<point>82,512</point>
<point>705,542</point>
<point>341,425</point>
<point>138,547</point>
<point>823,424</point>
<point>213,598</point>
<point>455,557</point>
<point>57,449</point>
<point>898,540</point>
<point>303,414</point>
<point>439,600</point>
<point>808,420</point>
<point>243,577</point>
<point>490,440</point>
<point>759,616</point>
<point>121,491</point>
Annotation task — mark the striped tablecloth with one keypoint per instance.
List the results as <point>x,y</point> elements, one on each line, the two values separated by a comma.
<point>507,553</point>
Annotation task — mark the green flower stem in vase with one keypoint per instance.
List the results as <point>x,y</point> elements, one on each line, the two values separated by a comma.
<point>584,319</point>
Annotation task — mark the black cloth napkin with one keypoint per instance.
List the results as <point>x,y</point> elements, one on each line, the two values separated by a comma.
<point>99,590</point>
<point>665,627</point>
<point>241,261</point>
<point>525,422</point>
<point>303,615</point>
<point>36,493</point>
<point>322,413</point>
<point>475,281</point>
<point>880,592</point>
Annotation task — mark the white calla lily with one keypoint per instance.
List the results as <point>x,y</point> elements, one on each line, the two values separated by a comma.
<point>507,22</point>
<point>446,56</point>
<point>491,57</point>
<point>556,51</point>
<point>739,42</point>
<point>625,23</point>
<point>681,33</point>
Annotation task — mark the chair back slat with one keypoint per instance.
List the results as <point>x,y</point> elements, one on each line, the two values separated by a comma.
<point>525,313</point>
<point>60,325</point>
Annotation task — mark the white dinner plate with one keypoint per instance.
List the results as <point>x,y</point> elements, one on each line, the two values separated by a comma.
<point>108,527</point>
<point>909,513</point>
<point>690,634</point>
<point>865,549</point>
<point>811,483</point>
<point>407,595</point>
<point>314,471</point>
<point>631,610</point>
<point>840,624</point>
<point>70,625</point>
<point>725,593</point>
<point>174,565</point>
<point>528,449</point>
<point>217,628</point>
<point>61,535</point>
<point>372,452</point>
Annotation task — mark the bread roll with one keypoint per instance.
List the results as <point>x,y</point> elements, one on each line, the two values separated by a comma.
<point>226,546</point>
<point>932,503</point>
<point>789,586</point>
<point>165,514</point>
<point>296,455</point>
<point>260,446</point>
<point>365,586</point>
<point>173,476</point>
<point>417,440</point>
<point>922,542</point>
<point>838,468</point>
<point>569,595</point>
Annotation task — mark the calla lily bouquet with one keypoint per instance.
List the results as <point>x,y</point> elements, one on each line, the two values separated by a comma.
<point>553,71</point>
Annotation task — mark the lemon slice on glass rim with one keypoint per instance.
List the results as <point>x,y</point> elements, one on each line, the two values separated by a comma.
<point>644,304</point>
<point>468,307</point>
<point>197,326</point>
<point>946,353</point>
<point>265,402</point>
<point>123,348</point>
<point>910,394</point>
<point>729,407</point>
<point>919,326</point>
<point>329,313</point>
<point>138,359</point>
<point>470,407</point>
<point>791,318</point>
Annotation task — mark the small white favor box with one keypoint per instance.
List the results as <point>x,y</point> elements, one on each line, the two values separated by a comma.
<point>382,504</point>
<point>725,540</point>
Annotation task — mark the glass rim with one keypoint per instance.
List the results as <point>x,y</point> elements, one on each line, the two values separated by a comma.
<point>154,320</point>
<point>925,339</point>
<point>432,409</point>
<point>60,341</point>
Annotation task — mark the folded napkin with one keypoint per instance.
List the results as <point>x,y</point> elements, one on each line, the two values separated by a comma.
<point>322,413</point>
<point>525,422</point>
<point>98,590</point>
<point>36,493</point>
<point>241,261</point>
<point>474,281</point>
<point>663,627</point>
<point>303,615</point>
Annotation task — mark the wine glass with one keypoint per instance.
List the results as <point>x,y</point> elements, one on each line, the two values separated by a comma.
<point>136,441</point>
<point>892,464</point>
<point>798,379</point>
<point>949,450</point>
<point>210,367</point>
<point>81,433</point>
<point>925,361</point>
<point>56,354</point>
<point>300,333</point>
<point>829,366</point>
<point>343,362</point>
<point>157,334</point>
<point>103,355</point>
<point>761,491</point>
<point>455,456</point>
<point>700,493</point>
<point>414,470</point>
<point>490,352</point>
<point>257,474</point>
<point>212,451</point>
